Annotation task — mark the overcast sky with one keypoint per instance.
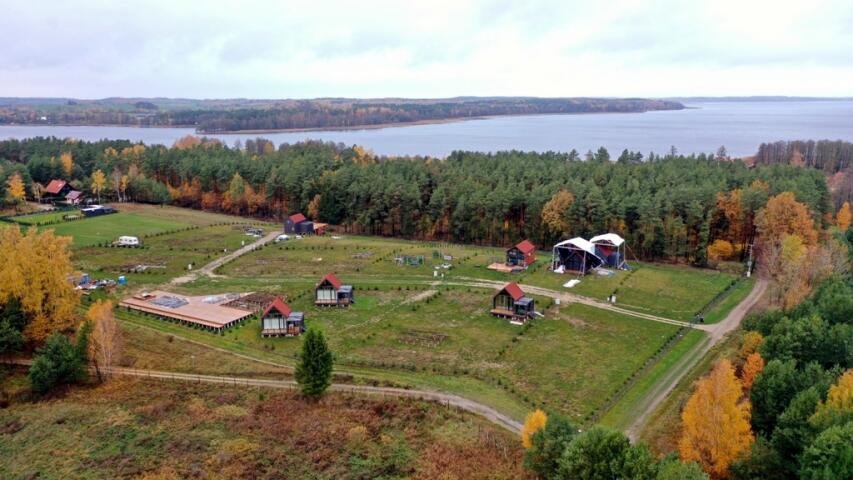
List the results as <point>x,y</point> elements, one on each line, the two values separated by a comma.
<point>296,49</point>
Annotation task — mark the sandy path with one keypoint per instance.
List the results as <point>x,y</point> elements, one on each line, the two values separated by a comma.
<point>208,269</point>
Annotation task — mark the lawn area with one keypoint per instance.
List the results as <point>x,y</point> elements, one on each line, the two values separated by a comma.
<point>576,357</point>
<point>107,228</point>
<point>39,218</point>
<point>671,291</point>
<point>131,428</point>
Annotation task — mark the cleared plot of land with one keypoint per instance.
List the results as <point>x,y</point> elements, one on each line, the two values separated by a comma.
<point>670,291</point>
<point>130,429</point>
<point>107,228</point>
<point>576,358</point>
<point>39,218</point>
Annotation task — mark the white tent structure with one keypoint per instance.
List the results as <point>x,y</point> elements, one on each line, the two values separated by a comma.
<point>575,255</point>
<point>610,247</point>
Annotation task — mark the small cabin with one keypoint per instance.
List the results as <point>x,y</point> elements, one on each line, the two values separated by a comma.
<point>521,255</point>
<point>57,188</point>
<point>298,224</point>
<point>331,292</point>
<point>278,319</point>
<point>510,302</point>
<point>74,197</point>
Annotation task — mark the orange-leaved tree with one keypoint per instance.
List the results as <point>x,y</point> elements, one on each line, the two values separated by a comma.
<point>534,422</point>
<point>715,422</point>
<point>844,216</point>
<point>720,250</point>
<point>749,345</point>
<point>16,189</point>
<point>751,368</point>
<point>35,268</point>
<point>783,215</point>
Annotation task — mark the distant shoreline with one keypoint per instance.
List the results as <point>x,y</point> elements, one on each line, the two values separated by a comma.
<point>378,126</point>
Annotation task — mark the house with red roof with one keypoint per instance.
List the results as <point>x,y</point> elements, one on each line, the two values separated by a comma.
<point>330,291</point>
<point>57,188</point>
<point>278,319</point>
<point>298,224</point>
<point>522,255</point>
<point>510,302</point>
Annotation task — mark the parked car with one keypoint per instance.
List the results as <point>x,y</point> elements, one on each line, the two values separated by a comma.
<point>282,238</point>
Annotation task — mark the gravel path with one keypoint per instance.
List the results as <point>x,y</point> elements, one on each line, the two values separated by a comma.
<point>218,262</point>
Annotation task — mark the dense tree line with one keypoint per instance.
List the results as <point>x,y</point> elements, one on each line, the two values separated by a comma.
<point>219,116</point>
<point>668,207</point>
<point>834,157</point>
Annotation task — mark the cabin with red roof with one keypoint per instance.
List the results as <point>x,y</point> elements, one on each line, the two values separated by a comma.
<point>521,255</point>
<point>510,302</point>
<point>278,319</point>
<point>57,188</point>
<point>331,292</point>
<point>298,224</point>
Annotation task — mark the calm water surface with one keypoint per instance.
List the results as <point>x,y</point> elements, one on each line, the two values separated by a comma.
<point>740,126</point>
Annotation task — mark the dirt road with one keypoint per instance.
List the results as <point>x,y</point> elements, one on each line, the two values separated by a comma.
<point>716,332</point>
<point>208,269</point>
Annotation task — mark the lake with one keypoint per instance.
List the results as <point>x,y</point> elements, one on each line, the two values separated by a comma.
<point>740,126</point>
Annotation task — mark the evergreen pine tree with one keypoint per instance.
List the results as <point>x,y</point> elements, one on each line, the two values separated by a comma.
<point>314,370</point>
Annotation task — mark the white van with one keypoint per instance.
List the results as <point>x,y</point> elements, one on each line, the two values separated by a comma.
<point>282,238</point>
<point>128,241</point>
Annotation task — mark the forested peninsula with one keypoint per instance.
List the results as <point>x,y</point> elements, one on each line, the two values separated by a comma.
<point>218,116</point>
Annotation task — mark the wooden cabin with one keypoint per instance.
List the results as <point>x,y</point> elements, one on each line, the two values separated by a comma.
<point>510,302</point>
<point>57,189</point>
<point>521,255</point>
<point>298,224</point>
<point>279,319</point>
<point>331,292</point>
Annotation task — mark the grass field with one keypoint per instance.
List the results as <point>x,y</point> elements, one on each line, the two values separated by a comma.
<point>408,326</point>
<point>150,429</point>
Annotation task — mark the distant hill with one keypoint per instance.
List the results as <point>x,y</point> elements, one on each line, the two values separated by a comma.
<point>231,115</point>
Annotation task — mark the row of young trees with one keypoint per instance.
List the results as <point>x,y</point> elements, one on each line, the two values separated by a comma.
<point>671,207</point>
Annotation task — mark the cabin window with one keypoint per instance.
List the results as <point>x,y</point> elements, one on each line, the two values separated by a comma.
<point>326,294</point>
<point>503,302</point>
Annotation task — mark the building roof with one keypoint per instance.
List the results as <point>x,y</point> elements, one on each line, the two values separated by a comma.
<point>73,195</point>
<point>55,186</point>
<point>513,290</point>
<point>210,311</point>
<point>578,243</point>
<point>608,238</point>
<point>297,218</point>
<point>526,246</point>
<point>279,305</point>
<point>332,279</point>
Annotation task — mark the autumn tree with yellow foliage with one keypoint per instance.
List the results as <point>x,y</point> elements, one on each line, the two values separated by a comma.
<point>844,217</point>
<point>720,250</point>
<point>715,422</point>
<point>34,269</point>
<point>105,342</point>
<point>534,422</point>
<point>67,163</point>
<point>16,189</point>
<point>99,183</point>
<point>554,212</point>
<point>838,406</point>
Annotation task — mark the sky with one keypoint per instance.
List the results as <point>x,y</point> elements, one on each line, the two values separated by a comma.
<point>429,49</point>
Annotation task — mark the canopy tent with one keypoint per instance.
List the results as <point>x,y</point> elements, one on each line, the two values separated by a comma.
<point>576,255</point>
<point>610,247</point>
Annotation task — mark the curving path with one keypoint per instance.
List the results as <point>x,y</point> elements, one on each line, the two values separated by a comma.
<point>448,399</point>
<point>717,332</point>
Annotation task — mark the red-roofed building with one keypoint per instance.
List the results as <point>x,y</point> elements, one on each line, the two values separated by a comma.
<point>74,197</point>
<point>510,302</point>
<point>279,319</point>
<point>57,188</point>
<point>521,255</point>
<point>298,224</point>
<point>331,292</point>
